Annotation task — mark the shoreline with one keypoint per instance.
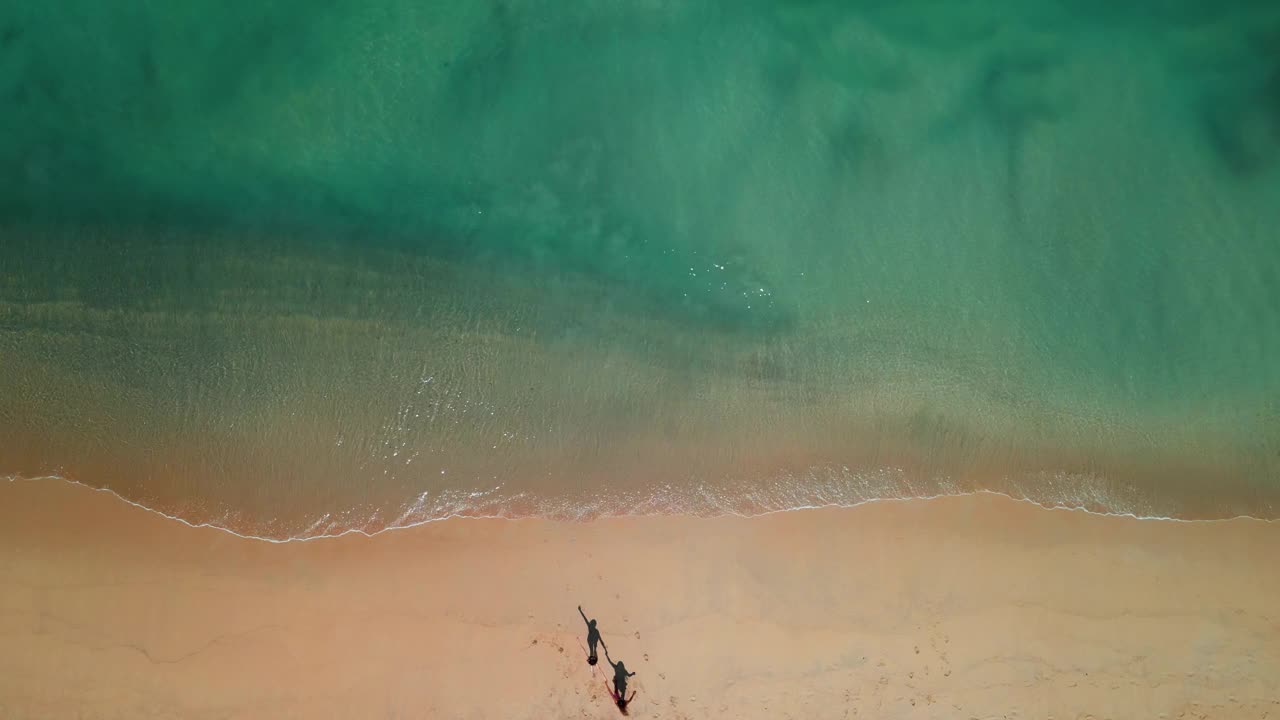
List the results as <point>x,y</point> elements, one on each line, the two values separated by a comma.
<point>959,607</point>
<point>357,531</point>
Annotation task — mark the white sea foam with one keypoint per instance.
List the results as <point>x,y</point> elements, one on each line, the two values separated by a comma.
<point>422,512</point>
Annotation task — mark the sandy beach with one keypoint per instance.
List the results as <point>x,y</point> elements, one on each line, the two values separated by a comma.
<point>973,607</point>
<point>767,333</point>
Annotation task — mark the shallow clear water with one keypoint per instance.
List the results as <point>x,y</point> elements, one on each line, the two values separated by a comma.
<point>309,265</point>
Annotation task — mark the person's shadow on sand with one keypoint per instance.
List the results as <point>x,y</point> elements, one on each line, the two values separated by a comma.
<point>620,676</point>
<point>593,637</point>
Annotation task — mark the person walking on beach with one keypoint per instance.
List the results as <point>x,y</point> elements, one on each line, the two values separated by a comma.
<point>620,676</point>
<point>593,637</point>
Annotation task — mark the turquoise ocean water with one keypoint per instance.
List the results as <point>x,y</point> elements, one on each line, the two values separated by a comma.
<point>300,266</point>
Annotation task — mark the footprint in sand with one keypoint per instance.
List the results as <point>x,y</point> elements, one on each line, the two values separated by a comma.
<point>637,634</point>
<point>646,657</point>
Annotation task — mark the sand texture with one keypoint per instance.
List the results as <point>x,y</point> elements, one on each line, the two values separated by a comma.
<point>973,607</point>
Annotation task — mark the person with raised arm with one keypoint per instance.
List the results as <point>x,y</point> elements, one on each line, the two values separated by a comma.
<point>620,676</point>
<point>593,637</point>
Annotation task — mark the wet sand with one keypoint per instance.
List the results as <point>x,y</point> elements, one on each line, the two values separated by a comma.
<point>953,608</point>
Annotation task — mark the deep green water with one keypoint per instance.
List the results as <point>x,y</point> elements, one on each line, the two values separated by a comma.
<point>278,262</point>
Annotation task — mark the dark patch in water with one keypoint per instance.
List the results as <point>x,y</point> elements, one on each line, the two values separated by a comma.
<point>622,253</point>
<point>9,35</point>
<point>1271,98</point>
<point>762,366</point>
<point>1013,98</point>
<point>148,70</point>
<point>1012,89</point>
<point>1244,132</point>
<point>477,78</point>
<point>1241,120</point>
<point>857,149</point>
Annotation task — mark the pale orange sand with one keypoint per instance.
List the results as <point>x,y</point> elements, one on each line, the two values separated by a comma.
<point>976,607</point>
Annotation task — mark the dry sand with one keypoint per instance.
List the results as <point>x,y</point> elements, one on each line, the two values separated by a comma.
<point>973,607</point>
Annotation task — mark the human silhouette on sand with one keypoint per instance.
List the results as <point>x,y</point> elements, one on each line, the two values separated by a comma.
<point>624,702</point>
<point>593,637</point>
<point>620,676</point>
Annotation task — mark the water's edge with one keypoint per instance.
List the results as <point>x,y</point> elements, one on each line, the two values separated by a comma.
<point>331,534</point>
